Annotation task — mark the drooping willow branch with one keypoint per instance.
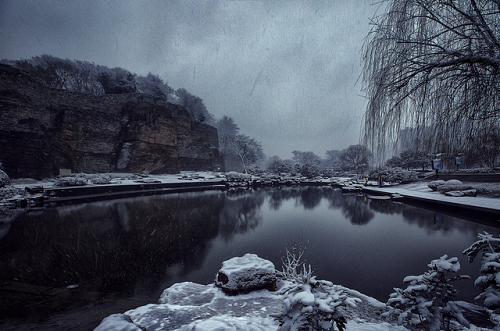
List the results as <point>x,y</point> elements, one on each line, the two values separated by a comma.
<point>431,74</point>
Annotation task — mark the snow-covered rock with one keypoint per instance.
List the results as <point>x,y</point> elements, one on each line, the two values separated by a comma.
<point>245,274</point>
<point>464,193</point>
<point>454,193</point>
<point>435,184</point>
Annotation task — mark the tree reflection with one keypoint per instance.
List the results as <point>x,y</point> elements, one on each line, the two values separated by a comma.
<point>311,197</point>
<point>277,197</point>
<point>122,247</point>
<point>357,210</point>
<point>385,207</point>
<point>241,213</point>
<point>308,197</point>
<point>354,208</point>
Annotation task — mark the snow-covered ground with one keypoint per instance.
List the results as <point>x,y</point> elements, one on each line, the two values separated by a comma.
<point>16,190</point>
<point>421,190</point>
<point>189,306</point>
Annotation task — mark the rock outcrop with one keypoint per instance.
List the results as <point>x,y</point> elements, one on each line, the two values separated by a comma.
<point>43,130</point>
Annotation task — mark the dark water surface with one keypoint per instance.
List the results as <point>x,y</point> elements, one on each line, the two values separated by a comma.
<point>124,253</point>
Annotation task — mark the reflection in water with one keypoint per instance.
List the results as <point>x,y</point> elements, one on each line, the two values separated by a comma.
<point>134,248</point>
<point>240,213</point>
<point>356,210</point>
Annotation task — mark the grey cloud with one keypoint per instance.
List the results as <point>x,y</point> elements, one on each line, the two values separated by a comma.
<point>284,70</point>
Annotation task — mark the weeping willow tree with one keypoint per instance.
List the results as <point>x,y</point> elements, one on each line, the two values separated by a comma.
<point>431,68</point>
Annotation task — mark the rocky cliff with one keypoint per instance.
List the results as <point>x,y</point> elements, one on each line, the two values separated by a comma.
<point>43,130</point>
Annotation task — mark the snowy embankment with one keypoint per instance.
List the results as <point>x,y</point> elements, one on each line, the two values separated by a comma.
<point>99,186</point>
<point>422,191</point>
<point>190,306</point>
<point>237,301</point>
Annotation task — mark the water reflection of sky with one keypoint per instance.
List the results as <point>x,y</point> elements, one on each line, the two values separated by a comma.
<point>135,248</point>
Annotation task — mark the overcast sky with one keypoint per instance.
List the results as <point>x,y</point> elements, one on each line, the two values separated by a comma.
<point>286,71</point>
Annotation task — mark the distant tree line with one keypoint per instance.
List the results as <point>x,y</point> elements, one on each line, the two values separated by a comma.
<point>355,159</point>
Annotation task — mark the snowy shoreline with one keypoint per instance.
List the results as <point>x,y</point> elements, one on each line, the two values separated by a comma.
<point>30,194</point>
<point>364,317</point>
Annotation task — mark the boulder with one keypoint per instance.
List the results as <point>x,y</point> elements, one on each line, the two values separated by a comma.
<point>470,193</point>
<point>453,185</point>
<point>454,193</point>
<point>246,274</point>
<point>464,193</point>
<point>435,184</point>
<point>453,182</point>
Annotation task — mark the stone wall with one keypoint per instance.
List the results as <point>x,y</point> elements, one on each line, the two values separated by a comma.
<point>43,130</point>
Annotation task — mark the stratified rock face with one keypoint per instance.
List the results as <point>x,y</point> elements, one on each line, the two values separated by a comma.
<point>43,130</point>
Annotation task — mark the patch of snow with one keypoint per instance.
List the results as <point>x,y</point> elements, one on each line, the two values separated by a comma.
<point>421,190</point>
<point>189,306</point>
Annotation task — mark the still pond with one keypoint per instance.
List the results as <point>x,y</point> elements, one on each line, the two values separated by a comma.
<point>119,254</point>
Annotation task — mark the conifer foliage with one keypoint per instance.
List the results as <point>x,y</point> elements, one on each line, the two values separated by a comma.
<point>425,304</point>
<point>489,280</point>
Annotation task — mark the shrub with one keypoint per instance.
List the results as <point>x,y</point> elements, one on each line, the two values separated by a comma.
<point>313,305</point>
<point>101,180</point>
<point>394,175</point>
<point>70,181</point>
<point>489,280</point>
<point>310,170</point>
<point>425,304</point>
<point>309,304</point>
<point>234,176</point>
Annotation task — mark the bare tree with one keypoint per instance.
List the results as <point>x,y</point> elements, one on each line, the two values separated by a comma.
<point>433,65</point>
<point>247,149</point>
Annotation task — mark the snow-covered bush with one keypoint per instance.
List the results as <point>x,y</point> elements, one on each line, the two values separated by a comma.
<point>313,305</point>
<point>393,175</point>
<point>425,304</point>
<point>234,176</point>
<point>488,189</point>
<point>70,181</point>
<point>100,180</point>
<point>310,170</point>
<point>4,178</point>
<point>489,280</point>
<point>309,304</point>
